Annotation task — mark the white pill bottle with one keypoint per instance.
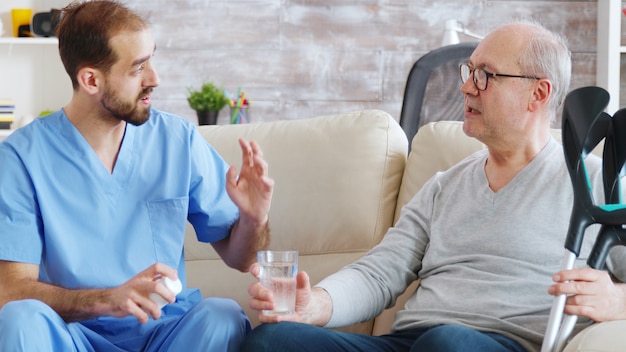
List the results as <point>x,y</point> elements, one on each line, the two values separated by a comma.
<point>173,285</point>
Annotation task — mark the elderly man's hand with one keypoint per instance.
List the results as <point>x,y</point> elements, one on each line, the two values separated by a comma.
<point>591,293</point>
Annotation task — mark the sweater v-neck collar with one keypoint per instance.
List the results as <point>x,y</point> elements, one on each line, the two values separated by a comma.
<point>521,175</point>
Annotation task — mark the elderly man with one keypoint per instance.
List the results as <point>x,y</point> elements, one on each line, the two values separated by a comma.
<point>484,237</point>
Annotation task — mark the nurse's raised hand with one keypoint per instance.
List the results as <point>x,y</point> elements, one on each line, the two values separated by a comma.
<point>251,190</point>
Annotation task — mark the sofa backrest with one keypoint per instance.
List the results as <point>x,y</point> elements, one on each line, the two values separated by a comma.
<point>336,185</point>
<point>436,147</point>
<point>439,146</point>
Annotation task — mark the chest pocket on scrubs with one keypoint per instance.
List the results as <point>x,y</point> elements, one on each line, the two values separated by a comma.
<point>168,219</point>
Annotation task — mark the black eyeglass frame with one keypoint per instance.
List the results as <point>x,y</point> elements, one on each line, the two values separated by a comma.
<point>487,75</point>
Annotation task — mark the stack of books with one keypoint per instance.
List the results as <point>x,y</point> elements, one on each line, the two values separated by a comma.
<point>6,113</point>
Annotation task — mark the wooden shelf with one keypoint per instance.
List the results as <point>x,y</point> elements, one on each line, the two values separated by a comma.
<point>27,41</point>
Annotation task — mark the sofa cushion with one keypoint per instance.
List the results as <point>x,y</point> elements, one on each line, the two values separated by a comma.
<point>336,185</point>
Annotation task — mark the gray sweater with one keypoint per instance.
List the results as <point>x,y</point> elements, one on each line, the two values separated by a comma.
<point>485,259</point>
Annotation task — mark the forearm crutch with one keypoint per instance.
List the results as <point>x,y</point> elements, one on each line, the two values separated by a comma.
<point>585,125</point>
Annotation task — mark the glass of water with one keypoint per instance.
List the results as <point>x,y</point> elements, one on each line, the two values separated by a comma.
<point>278,271</point>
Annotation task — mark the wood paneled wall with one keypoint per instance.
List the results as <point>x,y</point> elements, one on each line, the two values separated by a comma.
<point>305,58</point>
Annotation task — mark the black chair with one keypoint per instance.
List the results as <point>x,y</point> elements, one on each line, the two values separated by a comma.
<point>432,88</point>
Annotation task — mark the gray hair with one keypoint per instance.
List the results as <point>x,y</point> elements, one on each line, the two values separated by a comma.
<point>547,56</point>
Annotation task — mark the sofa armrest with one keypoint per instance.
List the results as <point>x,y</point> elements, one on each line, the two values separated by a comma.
<point>605,337</point>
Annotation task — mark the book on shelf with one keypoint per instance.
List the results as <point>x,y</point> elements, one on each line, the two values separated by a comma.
<point>6,117</point>
<point>7,105</point>
<point>7,108</point>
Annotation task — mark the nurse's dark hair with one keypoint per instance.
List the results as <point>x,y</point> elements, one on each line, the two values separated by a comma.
<point>84,29</point>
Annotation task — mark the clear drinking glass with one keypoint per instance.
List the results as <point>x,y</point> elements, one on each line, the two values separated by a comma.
<point>278,271</point>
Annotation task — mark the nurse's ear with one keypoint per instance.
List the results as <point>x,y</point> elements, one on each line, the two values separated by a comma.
<point>90,80</point>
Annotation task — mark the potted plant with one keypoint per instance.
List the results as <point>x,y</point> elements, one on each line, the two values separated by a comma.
<point>208,101</point>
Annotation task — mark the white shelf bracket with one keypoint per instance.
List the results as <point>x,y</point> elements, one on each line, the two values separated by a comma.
<point>609,50</point>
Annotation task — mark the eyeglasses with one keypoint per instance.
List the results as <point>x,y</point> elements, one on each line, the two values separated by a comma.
<point>481,76</point>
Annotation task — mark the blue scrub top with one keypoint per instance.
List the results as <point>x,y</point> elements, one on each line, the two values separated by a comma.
<point>87,228</point>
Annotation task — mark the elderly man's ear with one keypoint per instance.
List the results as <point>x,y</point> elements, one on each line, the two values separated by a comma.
<point>540,95</point>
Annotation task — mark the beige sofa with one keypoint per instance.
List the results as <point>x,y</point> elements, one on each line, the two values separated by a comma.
<point>340,182</point>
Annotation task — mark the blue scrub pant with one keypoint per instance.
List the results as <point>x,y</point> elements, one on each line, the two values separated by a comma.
<point>286,337</point>
<point>214,324</point>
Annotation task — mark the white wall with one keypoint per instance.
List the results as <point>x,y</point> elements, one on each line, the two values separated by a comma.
<point>31,74</point>
<point>294,58</point>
